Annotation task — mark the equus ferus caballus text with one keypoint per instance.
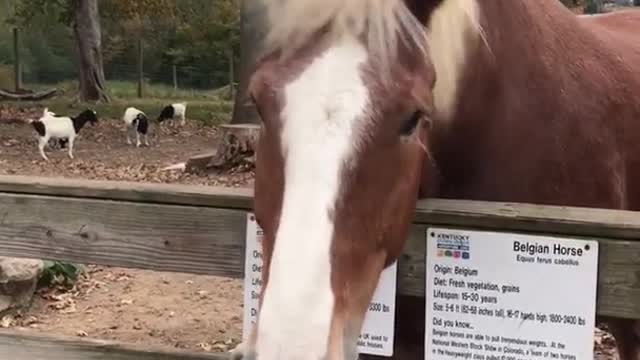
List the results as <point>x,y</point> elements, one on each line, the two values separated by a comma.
<point>367,105</point>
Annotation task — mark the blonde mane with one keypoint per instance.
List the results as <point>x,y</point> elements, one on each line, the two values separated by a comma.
<point>444,42</point>
<point>381,23</point>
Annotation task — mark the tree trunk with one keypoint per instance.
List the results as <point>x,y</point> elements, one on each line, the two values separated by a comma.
<point>86,28</point>
<point>252,29</point>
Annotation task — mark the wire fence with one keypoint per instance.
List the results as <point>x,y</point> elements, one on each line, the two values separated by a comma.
<point>32,63</point>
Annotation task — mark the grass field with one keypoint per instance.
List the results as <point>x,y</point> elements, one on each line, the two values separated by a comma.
<point>211,107</point>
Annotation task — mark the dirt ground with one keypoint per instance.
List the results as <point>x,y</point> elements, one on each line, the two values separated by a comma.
<point>101,152</point>
<point>198,313</point>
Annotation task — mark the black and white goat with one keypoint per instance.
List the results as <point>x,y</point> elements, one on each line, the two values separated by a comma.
<point>136,120</point>
<point>61,127</point>
<point>172,112</point>
<point>54,143</point>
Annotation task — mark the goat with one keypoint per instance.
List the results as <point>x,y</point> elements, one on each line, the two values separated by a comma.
<point>61,127</point>
<point>61,143</point>
<point>173,111</point>
<point>136,120</point>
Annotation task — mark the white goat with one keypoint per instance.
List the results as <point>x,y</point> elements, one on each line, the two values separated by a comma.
<point>136,120</point>
<point>60,143</point>
<point>61,127</point>
<point>173,112</point>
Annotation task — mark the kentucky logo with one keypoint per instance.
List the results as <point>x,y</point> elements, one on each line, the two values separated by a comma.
<point>452,245</point>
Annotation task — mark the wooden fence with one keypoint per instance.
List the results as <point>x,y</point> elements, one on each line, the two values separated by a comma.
<point>201,230</point>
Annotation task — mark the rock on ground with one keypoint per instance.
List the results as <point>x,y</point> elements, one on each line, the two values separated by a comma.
<point>18,280</point>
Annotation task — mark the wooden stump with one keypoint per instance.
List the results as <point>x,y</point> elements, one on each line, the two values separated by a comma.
<point>236,148</point>
<point>198,163</point>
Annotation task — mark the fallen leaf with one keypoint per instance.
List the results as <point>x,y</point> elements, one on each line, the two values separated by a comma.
<point>220,347</point>
<point>6,321</point>
<point>30,320</point>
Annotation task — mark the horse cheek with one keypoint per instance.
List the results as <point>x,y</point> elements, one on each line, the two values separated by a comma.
<point>404,197</point>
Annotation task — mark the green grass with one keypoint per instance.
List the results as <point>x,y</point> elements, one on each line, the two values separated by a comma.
<point>128,89</point>
<point>6,77</point>
<point>211,107</point>
<point>125,89</point>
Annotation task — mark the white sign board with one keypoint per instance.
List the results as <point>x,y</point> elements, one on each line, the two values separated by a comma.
<point>377,336</point>
<point>501,296</point>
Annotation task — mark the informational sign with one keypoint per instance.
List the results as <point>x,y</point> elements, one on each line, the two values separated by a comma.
<point>252,275</point>
<point>502,296</point>
<point>377,335</point>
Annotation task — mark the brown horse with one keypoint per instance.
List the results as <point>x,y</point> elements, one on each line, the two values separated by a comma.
<point>363,110</point>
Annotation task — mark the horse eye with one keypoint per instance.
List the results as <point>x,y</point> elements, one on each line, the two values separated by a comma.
<point>410,124</point>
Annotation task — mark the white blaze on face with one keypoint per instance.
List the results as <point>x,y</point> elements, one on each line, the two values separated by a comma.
<point>323,107</point>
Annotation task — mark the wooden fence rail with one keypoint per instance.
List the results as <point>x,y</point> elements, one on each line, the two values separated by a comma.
<point>201,230</point>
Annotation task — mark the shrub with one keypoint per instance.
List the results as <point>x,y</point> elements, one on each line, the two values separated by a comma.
<point>59,273</point>
<point>593,7</point>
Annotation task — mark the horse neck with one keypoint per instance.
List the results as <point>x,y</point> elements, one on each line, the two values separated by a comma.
<point>527,47</point>
<point>533,55</point>
<point>525,72</point>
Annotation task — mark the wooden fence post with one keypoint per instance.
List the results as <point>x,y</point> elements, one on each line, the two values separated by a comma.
<point>17,62</point>
<point>140,68</point>
<point>175,77</point>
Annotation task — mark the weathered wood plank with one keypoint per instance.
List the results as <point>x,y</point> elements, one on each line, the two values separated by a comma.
<point>188,229</point>
<point>530,218</point>
<point>35,347</point>
<point>479,214</point>
<point>159,237</point>
<point>192,195</point>
<point>211,241</point>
